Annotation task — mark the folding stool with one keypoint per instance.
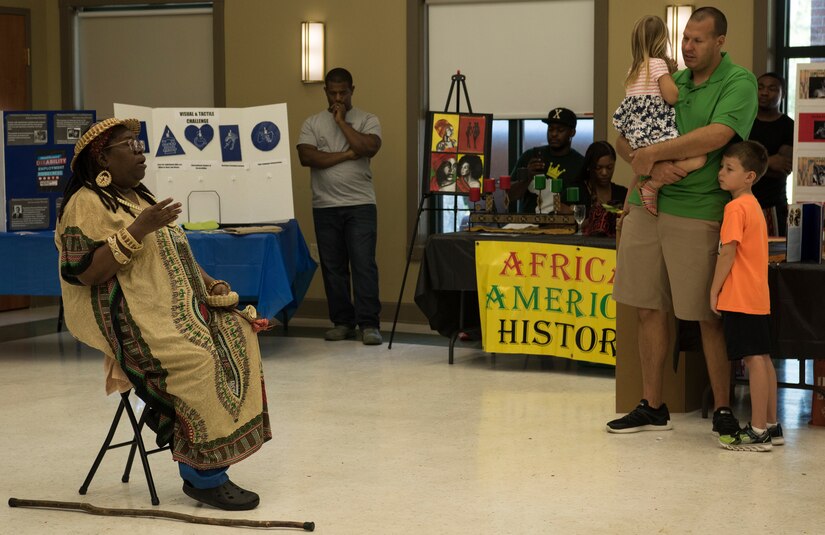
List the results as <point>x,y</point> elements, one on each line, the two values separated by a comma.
<point>136,444</point>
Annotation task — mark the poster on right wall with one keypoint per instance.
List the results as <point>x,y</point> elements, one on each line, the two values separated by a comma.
<point>809,138</point>
<point>804,240</point>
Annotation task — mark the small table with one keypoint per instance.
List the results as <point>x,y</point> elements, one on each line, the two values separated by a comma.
<point>272,270</point>
<point>446,291</point>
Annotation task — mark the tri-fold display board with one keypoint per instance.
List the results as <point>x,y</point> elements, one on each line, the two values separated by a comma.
<point>231,165</point>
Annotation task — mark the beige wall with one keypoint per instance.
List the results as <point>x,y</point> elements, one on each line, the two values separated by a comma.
<point>622,15</point>
<point>368,37</point>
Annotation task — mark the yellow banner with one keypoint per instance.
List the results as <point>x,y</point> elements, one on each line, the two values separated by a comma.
<point>547,299</point>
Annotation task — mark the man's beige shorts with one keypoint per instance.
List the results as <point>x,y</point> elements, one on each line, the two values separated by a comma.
<point>666,260</point>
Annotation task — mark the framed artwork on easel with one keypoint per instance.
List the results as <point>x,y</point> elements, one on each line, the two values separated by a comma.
<point>457,152</point>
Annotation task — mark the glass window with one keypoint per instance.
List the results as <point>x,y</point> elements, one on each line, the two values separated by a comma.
<point>800,39</point>
<point>792,63</point>
<point>806,23</point>
<point>501,148</point>
<point>535,134</point>
<point>801,35</point>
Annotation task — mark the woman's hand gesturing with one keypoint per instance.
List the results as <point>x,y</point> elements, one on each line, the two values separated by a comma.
<point>156,216</point>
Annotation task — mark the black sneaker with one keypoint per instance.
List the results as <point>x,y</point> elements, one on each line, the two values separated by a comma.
<point>747,440</point>
<point>777,438</point>
<point>724,422</point>
<point>642,418</point>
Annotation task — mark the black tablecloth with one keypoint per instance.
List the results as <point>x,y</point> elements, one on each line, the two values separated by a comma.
<point>448,274</point>
<point>798,310</point>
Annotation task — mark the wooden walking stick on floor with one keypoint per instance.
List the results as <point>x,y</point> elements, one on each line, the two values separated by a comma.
<point>104,511</point>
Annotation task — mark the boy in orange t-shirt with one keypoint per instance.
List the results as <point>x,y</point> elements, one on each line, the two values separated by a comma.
<point>740,291</point>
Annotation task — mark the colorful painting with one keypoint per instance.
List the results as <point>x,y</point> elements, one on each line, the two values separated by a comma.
<point>442,172</point>
<point>810,171</point>
<point>811,84</point>
<point>458,152</point>
<point>469,172</point>
<point>811,127</point>
<point>472,131</point>
<point>445,132</point>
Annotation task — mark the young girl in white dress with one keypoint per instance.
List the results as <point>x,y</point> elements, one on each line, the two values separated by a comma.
<point>646,115</point>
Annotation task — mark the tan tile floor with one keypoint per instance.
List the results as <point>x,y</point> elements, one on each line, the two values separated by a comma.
<point>376,441</point>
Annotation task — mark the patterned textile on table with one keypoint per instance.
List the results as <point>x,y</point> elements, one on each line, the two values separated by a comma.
<point>771,220</point>
<point>600,222</point>
<point>198,368</point>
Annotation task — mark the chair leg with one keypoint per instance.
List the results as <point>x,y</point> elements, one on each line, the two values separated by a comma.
<point>128,470</point>
<point>143,458</point>
<point>707,401</point>
<point>104,448</point>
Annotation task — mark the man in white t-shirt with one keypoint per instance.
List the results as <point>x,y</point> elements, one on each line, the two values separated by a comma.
<point>337,144</point>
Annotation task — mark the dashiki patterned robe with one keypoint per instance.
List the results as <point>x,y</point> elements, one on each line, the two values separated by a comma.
<point>198,368</point>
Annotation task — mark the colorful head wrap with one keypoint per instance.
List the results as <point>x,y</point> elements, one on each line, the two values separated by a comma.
<point>441,126</point>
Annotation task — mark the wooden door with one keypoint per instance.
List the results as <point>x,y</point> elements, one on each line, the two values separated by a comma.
<point>15,63</point>
<point>15,89</point>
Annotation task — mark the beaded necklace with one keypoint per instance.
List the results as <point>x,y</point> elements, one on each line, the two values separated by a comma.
<point>129,204</point>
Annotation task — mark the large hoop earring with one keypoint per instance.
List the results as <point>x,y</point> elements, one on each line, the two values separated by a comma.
<point>103,179</point>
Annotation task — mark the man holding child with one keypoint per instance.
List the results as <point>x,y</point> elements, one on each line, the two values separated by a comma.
<point>669,260</point>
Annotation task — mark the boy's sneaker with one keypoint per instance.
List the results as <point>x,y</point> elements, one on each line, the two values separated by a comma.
<point>747,440</point>
<point>777,439</point>
<point>642,418</point>
<point>724,422</point>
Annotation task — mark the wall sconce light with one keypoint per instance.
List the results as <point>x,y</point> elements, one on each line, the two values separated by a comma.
<point>676,18</point>
<point>312,52</point>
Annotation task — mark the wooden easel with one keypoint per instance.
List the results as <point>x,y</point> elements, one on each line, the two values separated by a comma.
<point>458,84</point>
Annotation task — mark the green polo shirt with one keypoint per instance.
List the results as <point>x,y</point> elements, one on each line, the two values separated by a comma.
<point>728,97</point>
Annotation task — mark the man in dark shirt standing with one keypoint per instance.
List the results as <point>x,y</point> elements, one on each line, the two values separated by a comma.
<point>557,159</point>
<point>774,130</point>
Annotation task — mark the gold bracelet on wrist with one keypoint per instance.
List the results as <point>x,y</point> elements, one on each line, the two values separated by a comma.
<point>120,242</point>
<point>215,283</point>
<point>128,241</point>
<point>121,258</point>
<point>222,301</point>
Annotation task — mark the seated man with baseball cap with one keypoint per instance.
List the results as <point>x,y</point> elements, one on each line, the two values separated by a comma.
<point>557,159</point>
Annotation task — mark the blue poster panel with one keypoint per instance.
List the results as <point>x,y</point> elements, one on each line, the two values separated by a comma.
<point>230,142</point>
<point>265,136</point>
<point>38,147</point>
<point>169,145</point>
<point>199,136</point>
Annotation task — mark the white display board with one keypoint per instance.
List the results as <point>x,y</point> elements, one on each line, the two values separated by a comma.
<point>231,165</point>
<point>809,136</point>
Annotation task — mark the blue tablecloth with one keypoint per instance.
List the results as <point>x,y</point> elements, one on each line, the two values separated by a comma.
<point>271,270</point>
